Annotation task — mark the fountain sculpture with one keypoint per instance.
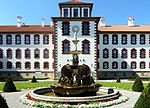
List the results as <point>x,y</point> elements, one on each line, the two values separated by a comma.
<point>76,86</point>
<point>75,80</point>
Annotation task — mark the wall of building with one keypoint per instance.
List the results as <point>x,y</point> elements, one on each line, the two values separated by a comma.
<point>24,72</point>
<point>128,72</point>
<point>62,59</point>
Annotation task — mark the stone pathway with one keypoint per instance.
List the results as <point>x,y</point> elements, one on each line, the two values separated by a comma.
<point>133,96</point>
<point>13,99</point>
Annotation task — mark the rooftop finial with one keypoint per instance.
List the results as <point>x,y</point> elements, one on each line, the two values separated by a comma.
<point>130,21</point>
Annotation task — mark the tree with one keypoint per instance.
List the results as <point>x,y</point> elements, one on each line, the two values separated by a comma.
<point>118,80</point>
<point>3,103</point>
<point>144,99</point>
<point>9,86</point>
<point>138,85</point>
<point>34,80</point>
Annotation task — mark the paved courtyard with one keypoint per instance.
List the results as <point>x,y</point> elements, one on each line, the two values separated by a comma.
<point>13,99</point>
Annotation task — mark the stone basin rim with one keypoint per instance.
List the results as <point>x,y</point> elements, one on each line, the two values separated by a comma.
<point>114,95</point>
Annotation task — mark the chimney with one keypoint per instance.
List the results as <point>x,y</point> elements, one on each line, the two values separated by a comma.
<point>43,22</point>
<point>102,22</point>
<point>19,21</point>
<point>130,21</point>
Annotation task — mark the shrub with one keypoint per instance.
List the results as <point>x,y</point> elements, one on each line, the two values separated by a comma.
<point>9,86</point>
<point>144,99</point>
<point>138,85</point>
<point>3,103</point>
<point>34,80</point>
<point>118,80</point>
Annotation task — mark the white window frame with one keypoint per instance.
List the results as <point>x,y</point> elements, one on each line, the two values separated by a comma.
<point>88,11</point>
<point>63,12</point>
<point>78,11</point>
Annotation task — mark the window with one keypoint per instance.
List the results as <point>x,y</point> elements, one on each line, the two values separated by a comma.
<point>46,53</point>
<point>65,46</point>
<point>142,53</point>
<point>124,65</point>
<point>149,39</point>
<point>27,75</point>
<point>18,65</point>
<point>18,39</point>
<point>27,39</point>
<point>75,12</point>
<point>85,47</point>
<point>142,65</point>
<point>9,53</point>
<point>124,74</point>
<point>9,39</point>
<point>66,28</point>
<point>1,39</point>
<point>133,39</point>
<point>115,65</point>
<point>105,65</point>
<point>18,54</point>
<point>124,39</point>
<point>133,65</point>
<point>142,39</point>
<point>27,54</point>
<point>1,65</point>
<point>149,53</point>
<point>46,39</point>
<point>36,65</point>
<point>36,53</point>
<point>9,65</point>
<point>66,13</point>
<point>105,53</point>
<point>85,28</point>
<point>36,39</point>
<point>114,53</point>
<point>85,13</point>
<point>133,53</point>
<point>46,75</point>
<point>124,53</point>
<point>46,65</point>
<point>105,39</point>
<point>115,39</point>
<point>27,65</point>
<point>1,53</point>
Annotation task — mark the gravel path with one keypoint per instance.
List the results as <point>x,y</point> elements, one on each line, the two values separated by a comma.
<point>13,99</point>
<point>133,96</point>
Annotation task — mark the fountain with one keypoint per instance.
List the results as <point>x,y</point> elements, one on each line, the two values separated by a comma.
<point>76,85</point>
<point>75,80</point>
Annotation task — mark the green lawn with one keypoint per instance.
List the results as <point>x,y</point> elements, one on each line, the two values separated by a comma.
<point>123,85</point>
<point>28,85</point>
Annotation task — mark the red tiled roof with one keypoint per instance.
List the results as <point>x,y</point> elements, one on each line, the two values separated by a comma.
<point>124,28</point>
<point>75,2</point>
<point>26,29</point>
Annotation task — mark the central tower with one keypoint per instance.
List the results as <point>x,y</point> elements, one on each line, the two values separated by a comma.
<point>75,15</point>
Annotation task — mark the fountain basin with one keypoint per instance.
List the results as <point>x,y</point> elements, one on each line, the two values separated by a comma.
<point>38,95</point>
<point>76,91</point>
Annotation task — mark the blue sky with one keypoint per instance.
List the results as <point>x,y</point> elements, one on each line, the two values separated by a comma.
<point>115,11</point>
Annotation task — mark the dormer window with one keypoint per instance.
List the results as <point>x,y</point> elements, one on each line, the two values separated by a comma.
<point>66,13</point>
<point>85,13</point>
<point>75,13</point>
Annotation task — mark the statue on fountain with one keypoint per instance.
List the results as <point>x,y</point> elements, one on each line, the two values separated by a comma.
<point>75,80</point>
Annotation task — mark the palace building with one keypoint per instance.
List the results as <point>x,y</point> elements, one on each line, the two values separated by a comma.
<point>110,51</point>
